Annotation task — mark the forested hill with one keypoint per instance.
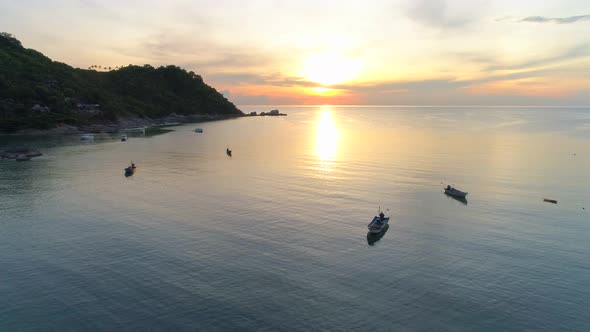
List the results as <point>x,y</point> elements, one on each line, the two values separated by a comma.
<point>36,92</point>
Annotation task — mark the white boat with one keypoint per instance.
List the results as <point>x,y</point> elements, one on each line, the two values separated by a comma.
<point>87,137</point>
<point>378,223</point>
<point>455,192</point>
<point>199,130</point>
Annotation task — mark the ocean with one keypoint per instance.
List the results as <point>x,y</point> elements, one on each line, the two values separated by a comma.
<point>275,237</point>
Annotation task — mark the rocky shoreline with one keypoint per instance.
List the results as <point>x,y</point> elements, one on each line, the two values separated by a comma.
<point>127,123</point>
<point>20,154</point>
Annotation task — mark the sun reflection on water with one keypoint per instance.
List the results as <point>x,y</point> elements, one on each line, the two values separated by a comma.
<point>326,137</point>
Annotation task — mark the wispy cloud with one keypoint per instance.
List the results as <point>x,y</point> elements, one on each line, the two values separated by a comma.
<point>196,53</point>
<point>434,13</point>
<point>574,53</point>
<point>275,79</point>
<point>556,20</point>
<point>503,18</point>
<point>444,14</point>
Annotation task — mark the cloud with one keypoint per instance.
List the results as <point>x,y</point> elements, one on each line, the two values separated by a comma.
<point>490,63</point>
<point>432,13</point>
<point>576,52</point>
<point>444,13</point>
<point>556,20</point>
<point>524,87</point>
<point>503,18</point>
<point>96,10</point>
<point>276,79</point>
<point>194,52</point>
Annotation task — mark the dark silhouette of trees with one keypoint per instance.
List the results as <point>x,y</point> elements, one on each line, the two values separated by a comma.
<point>28,78</point>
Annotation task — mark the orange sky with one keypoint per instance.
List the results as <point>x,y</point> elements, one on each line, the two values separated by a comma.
<point>422,52</point>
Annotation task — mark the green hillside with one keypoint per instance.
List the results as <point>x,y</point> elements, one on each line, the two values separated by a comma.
<point>36,92</point>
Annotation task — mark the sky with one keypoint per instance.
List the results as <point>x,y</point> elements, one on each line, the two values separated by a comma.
<point>396,52</point>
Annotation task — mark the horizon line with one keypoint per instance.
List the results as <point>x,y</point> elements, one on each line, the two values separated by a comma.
<point>411,105</point>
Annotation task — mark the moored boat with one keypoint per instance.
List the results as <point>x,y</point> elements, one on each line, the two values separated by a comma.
<point>130,170</point>
<point>455,192</point>
<point>123,138</point>
<point>378,223</point>
<point>199,130</point>
<point>87,137</point>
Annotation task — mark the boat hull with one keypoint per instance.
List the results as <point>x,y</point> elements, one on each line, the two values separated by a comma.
<point>129,171</point>
<point>456,193</point>
<point>372,238</point>
<point>377,225</point>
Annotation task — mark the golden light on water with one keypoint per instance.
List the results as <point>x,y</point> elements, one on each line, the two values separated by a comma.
<point>327,136</point>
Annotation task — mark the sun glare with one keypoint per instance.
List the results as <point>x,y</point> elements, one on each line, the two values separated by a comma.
<point>326,136</point>
<point>329,69</point>
<point>323,91</point>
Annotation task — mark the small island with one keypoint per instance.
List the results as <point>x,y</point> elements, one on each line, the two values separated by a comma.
<point>271,113</point>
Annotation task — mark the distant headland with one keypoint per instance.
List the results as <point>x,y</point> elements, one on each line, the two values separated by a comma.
<point>41,95</point>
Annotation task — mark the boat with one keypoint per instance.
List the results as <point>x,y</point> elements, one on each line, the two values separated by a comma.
<point>130,170</point>
<point>455,192</point>
<point>199,130</point>
<point>23,157</point>
<point>549,200</point>
<point>123,138</point>
<point>378,223</point>
<point>228,152</point>
<point>87,137</point>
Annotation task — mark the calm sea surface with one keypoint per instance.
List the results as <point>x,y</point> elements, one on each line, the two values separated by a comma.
<point>275,238</point>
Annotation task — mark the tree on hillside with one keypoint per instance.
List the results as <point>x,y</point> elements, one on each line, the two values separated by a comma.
<point>8,37</point>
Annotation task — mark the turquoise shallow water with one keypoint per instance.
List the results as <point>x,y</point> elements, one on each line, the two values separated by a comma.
<point>275,237</point>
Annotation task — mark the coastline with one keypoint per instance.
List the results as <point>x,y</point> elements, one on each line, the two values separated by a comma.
<point>125,123</point>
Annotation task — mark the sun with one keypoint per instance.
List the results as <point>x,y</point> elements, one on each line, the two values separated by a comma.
<point>331,68</point>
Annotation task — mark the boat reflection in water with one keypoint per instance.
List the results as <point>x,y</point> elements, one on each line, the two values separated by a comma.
<point>463,200</point>
<point>374,237</point>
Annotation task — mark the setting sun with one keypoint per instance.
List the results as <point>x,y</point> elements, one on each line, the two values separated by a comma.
<point>329,69</point>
